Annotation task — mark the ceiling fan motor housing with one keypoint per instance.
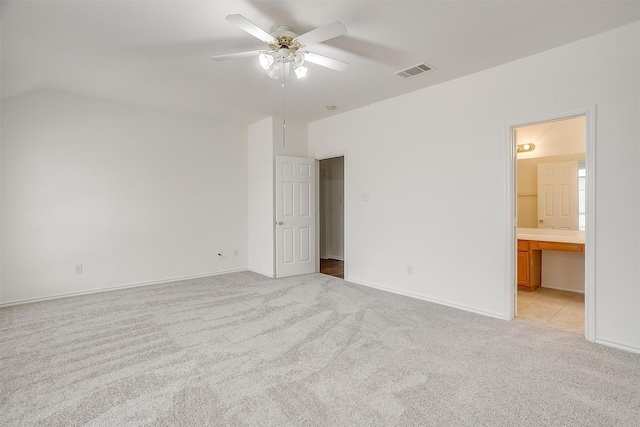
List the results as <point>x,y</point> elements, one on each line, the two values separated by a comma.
<point>284,38</point>
<point>283,30</point>
<point>285,42</point>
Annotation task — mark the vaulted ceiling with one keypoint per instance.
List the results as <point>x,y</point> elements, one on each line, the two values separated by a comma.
<point>158,53</point>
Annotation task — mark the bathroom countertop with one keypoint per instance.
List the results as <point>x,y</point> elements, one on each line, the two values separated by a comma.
<point>546,235</point>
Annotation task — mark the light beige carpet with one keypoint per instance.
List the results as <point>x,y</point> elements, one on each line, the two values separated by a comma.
<point>242,350</point>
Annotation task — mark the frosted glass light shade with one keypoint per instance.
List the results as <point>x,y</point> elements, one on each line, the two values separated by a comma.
<point>298,58</point>
<point>301,71</point>
<point>266,61</point>
<point>274,72</point>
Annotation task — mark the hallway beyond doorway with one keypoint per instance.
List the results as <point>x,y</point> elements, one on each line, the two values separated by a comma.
<point>332,267</point>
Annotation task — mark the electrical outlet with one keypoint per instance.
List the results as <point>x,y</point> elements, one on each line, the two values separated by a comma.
<point>409,269</point>
<point>78,269</point>
<point>235,253</point>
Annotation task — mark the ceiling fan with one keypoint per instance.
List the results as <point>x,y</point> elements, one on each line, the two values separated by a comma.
<point>286,49</point>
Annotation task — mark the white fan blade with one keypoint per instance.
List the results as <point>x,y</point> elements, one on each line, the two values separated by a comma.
<point>237,55</point>
<point>250,28</point>
<point>325,61</point>
<point>321,34</point>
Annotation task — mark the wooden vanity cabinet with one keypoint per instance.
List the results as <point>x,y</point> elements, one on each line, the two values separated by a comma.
<point>530,260</point>
<point>523,268</point>
<point>528,266</point>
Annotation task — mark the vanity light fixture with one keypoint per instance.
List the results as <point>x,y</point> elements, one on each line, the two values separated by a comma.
<point>523,148</point>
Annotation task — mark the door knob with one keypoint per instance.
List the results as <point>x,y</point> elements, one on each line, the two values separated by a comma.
<point>541,221</point>
<point>279,222</point>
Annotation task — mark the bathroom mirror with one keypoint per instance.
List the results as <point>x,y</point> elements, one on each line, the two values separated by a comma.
<point>551,192</point>
<point>551,174</point>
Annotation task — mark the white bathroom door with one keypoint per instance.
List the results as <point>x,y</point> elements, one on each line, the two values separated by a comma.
<point>295,216</point>
<point>558,195</point>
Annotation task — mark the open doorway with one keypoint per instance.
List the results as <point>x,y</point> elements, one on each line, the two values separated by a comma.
<point>551,196</point>
<point>331,219</point>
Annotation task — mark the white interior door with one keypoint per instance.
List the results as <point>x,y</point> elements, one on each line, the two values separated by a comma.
<point>558,195</point>
<point>295,216</point>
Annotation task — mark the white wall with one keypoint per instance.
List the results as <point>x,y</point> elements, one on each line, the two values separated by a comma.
<point>266,140</point>
<point>1,210</point>
<point>435,167</point>
<point>260,168</point>
<point>133,195</point>
<point>295,138</point>
<point>563,271</point>
<point>332,208</point>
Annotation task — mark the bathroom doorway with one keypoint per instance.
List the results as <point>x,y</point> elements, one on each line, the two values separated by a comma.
<point>551,175</point>
<point>331,216</point>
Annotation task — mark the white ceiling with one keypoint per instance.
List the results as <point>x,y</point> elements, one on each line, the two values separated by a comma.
<point>157,53</point>
<point>555,138</point>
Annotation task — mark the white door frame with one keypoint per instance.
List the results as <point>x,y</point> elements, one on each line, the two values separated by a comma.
<point>589,112</point>
<point>345,206</point>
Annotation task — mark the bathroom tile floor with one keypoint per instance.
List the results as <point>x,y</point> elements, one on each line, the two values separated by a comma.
<point>553,308</point>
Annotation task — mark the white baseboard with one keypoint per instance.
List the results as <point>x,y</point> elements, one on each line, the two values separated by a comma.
<point>601,341</point>
<point>115,288</point>
<point>426,298</point>
<point>618,345</point>
<point>560,288</point>
<point>262,273</point>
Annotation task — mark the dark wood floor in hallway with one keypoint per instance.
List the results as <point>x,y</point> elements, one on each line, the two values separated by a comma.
<point>332,267</point>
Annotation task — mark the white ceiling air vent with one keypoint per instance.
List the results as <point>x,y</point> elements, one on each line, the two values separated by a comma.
<point>413,71</point>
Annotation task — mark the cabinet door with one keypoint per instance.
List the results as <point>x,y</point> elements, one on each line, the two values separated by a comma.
<point>523,269</point>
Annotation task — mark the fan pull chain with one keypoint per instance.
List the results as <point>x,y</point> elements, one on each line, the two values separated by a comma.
<point>284,104</point>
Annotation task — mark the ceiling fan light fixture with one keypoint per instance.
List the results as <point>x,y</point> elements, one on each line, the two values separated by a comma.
<point>301,71</point>
<point>266,61</point>
<point>298,58</point>
<point>284,53</point>
<point>274,72</point>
